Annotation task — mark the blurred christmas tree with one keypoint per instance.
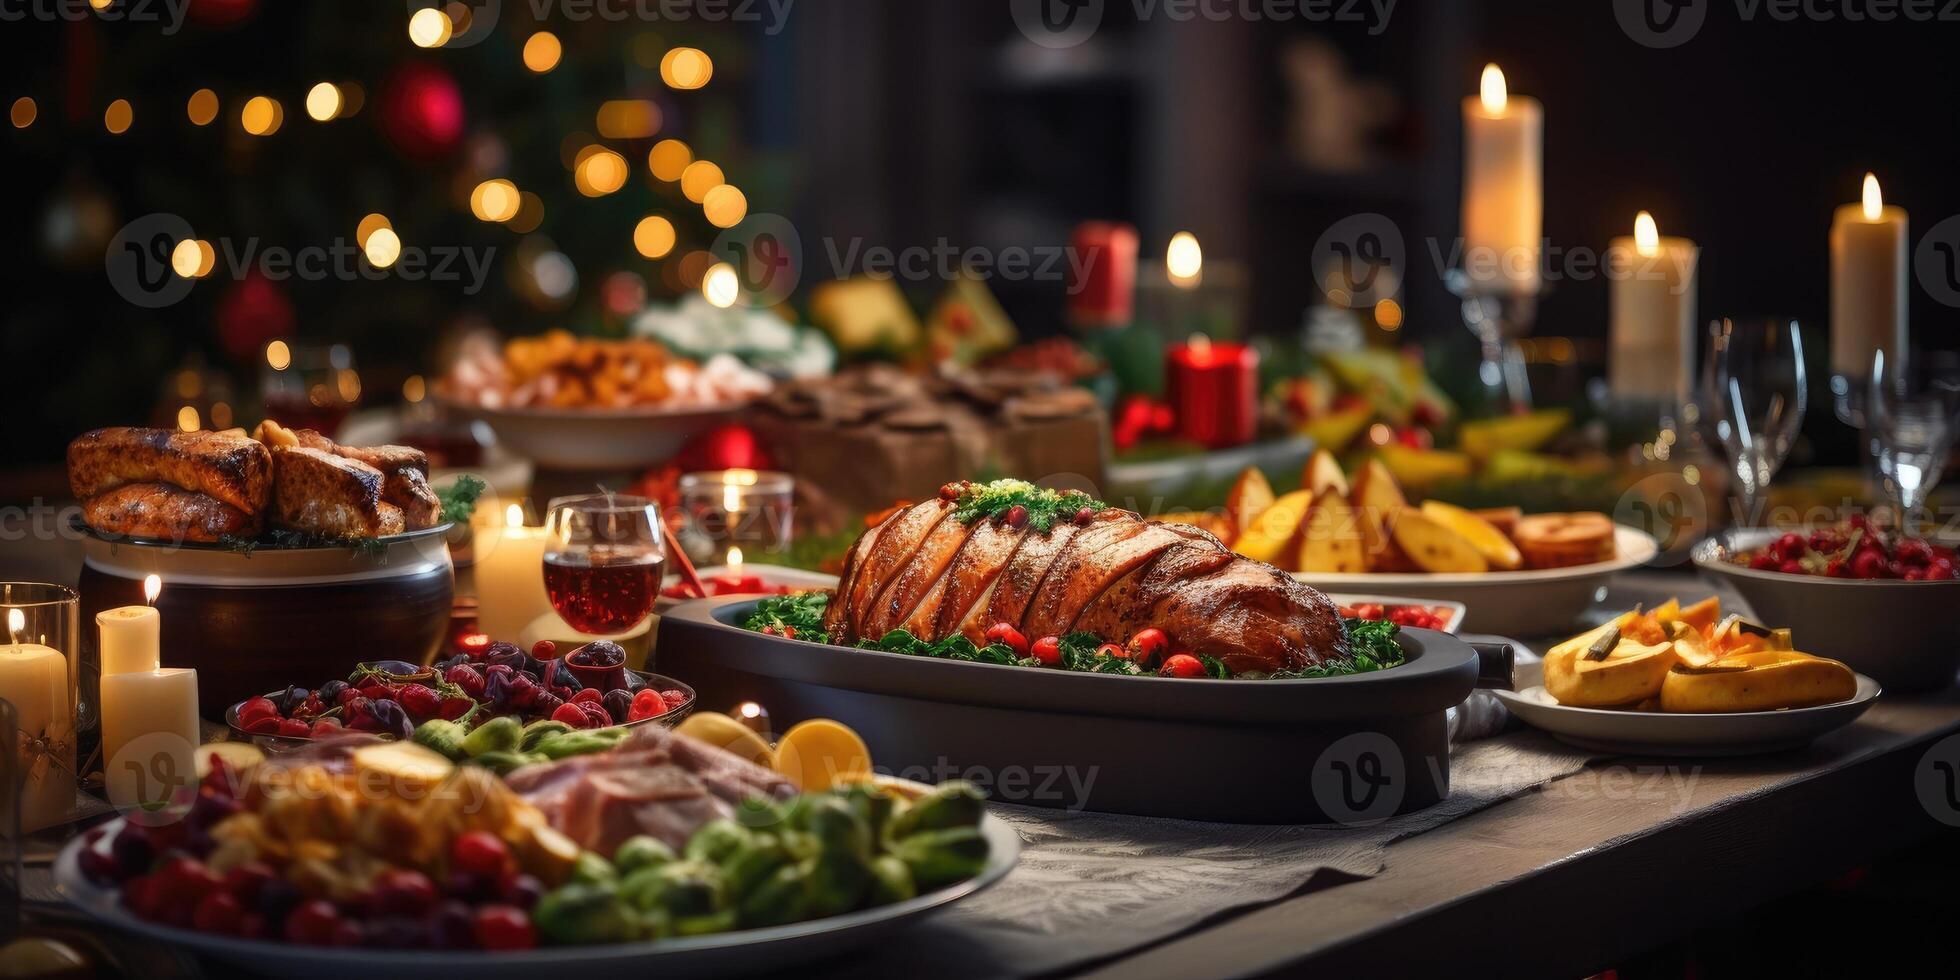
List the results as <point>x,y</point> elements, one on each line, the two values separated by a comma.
<point>523,165</point>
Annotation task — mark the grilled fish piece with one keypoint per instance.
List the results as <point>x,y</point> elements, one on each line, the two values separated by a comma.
<point>231,469</point>
<point>164,512</point>
<point>925,571</point>
<point>332,496</point>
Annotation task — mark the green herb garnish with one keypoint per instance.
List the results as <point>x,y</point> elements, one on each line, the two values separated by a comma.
<point>1044,508</point>
<point>1371,646</point>
<point>799,615</point>
<point>459,498</point>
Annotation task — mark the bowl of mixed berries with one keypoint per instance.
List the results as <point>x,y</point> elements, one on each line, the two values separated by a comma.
<point>1860,590</point>
<point>587,687</point>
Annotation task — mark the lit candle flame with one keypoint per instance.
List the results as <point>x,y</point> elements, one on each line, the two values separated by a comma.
<point>1646,235</point>
<point>1199,344</point>
<point>732,482</point>
<point>1184,260</point>
<point>747,709</point>
<point>734,561</point>
<point>16,621</point>
<point>1874,202</point>
<point>152,587</point>
<point>514,515</point>
<point>1492,90</point>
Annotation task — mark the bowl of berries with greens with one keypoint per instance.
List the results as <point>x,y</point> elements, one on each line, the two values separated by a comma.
<point>1861,591</point>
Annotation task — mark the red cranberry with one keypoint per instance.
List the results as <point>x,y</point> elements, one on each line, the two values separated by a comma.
<point>1790,546</point>
<point>1017,516</point>
<point>1868,564</point>
<point>1790,566</point>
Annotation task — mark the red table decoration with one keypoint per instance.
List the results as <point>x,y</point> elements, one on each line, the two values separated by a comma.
<point>1105,293</point>
<point>1212,387</point>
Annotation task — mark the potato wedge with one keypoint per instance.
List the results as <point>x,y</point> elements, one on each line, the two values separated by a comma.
<point>1268,537</point>
<point>1504,519</point>
<point>1768,680</point>
<point>1377,499</point>
<point>1432,546</point>
<point>1704,614</point>
<point>1249,497</point>
<point>1488,540</point>
<point>1331,539</point>
<point>1691,646</point>
<point>1631,673</point>
<point>1323,476</point>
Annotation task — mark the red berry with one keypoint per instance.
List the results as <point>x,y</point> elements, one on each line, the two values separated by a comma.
<point>403,891</point>
<point>326,728</point>
<point>1791,545</point>
<point>1112,650</point>
<point>1940,570</point>
<point>1182,665</point>
<point>949,491</point>
<point>295,728</point>
<point>590,695</point>
<point>218,913</point>
<point>1048,650</point>
<point>1914,575</point>
<point>596,715</point>
<point>246,881</point>
<point>1838,568</point>
<point>481,853</point>
<point>466,677</point>
<point>1763,561</point>
<point>1914,551</point>
<point>646,704</point>
<point>571,714</point>
<point>1148,645</point>
<point>1868,564</point>
<point>1017,516</point>
<point>1790,566</point>
<point>1826,539</point>
<point>255,708</point>
<point>455,707</point>
<point>674,698</point>
<point>544,650</point>
<point>1085,515</point>
<point>504,927</point>
<point>312,923</point>
<point>1007,634</point>
<point>266,725</point>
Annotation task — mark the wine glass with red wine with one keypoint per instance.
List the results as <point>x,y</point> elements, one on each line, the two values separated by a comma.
<point>603,554</point>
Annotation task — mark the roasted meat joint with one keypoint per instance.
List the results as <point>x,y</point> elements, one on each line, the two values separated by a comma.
<point>1052,563</point>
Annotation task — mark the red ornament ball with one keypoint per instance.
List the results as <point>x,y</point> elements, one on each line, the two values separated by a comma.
<point>422,111</point>
<point>729,447</point>
<point>252,312</point>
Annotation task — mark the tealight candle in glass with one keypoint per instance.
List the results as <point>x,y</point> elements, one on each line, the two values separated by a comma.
<point>749,509</point>
<point>38,661</point>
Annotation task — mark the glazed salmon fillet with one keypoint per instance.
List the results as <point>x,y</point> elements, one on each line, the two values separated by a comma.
<point>231,469</point>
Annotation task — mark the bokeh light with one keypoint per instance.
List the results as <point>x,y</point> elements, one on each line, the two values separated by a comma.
<point>262,115</point>
<point>653,237</point>
<point>202,107</point>
<point>725,206</point>
<point>368,226</point>
<point>686,68</point>
<point>530,214</point>
<point>668,159</point>
<point>23,112</point>
<point>599,172</point>
<point>628,119</point>
<point>699,178</point>
<point>721,286</point>
<point>278,356</point>
<point>193,258</point>
<point>429,28</point>
<point>382,248</point>
<point>323,101</point>
<point>542,51</point>
<point>118,117</point>
<point>495,200</point>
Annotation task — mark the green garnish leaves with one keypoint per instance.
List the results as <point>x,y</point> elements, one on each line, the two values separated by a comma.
<point>1371,647</point>
<point>459,498</point>
<point>799,615</point>
<point>1045,508</point>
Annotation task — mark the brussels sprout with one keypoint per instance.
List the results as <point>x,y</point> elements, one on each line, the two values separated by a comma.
<point>837,883</point>
<point>781,898</point>
<point>444,737</point>
<point>951,804</point>
<point>891,881</point>
<point>760,814</point>
<point>540,730</point>
<point>583,913</point>
<point>502,734</point>
<point>679,888</point>
<point>838,828</point>
<point>639,852</point>
<point>750,864</point>
<point>702,925</point>
<point>874,805</point>
<point>941,857</point>
<point>593,869</point>
<point>716,840</point>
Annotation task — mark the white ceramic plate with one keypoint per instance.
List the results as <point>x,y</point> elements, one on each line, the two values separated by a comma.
<point>1452,611</point>
<point>741,952</point>
<point>1690,735</point>
<point>595,439</point>
<point>1532,603</point>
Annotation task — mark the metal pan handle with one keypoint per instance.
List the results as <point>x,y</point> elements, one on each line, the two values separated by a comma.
<point>1495,658</point>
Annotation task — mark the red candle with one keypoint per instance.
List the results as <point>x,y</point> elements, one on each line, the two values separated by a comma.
<point>1213,391</point>
<point>1105,253</point>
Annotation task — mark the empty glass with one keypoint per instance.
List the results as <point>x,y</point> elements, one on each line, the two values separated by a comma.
<point>1754,395</point>
<point>1911,427</point>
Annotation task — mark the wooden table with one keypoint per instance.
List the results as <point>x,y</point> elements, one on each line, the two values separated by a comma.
<point>1625,834</point>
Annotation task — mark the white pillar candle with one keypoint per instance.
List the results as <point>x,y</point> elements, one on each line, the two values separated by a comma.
<point>34,679</point>
<point>149,734</point>
<point>1653,323</point>
<point>1503,186</point>
<point>509,576</point>
<point>130,639</point>
<point>1868,284</point>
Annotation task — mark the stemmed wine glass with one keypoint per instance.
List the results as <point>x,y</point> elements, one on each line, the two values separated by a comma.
<point>1755,392</point>
<point>602,559</point>
<point>1911,428</point>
